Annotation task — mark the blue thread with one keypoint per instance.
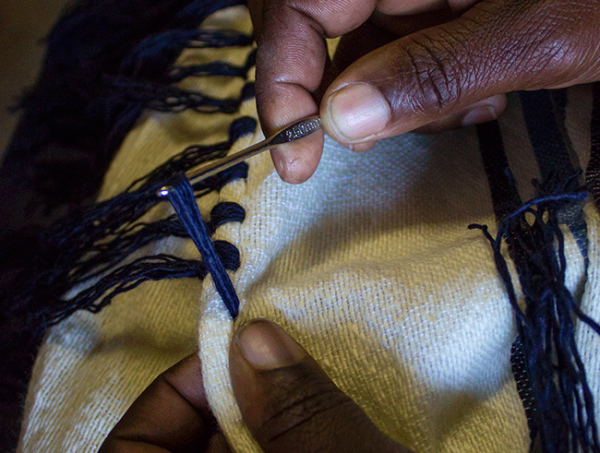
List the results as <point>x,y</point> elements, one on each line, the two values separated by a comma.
<point>183,201</point>
<point>202,8</point>
<point>73,122</point>
<point>505,199</point>
<point>94,241</point>
<point>224,212</point>
<point>130,276</point>
<point>592,174</point>
<point>69,131</point>
<point>219,68</point>
<point>530,247</point>
<point>550,144</point>
<point>103,256</point>
<point>165,98</point>
<point>560,396</point>
<point>240,127</point>
<point>160,48</point>
<point>545,135</point>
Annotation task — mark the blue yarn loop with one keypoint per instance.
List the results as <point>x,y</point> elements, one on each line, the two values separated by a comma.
<point>172,99</point>
<point>183,201</point>
<point>94,243</point>
<point>106,62</point>
<point>557,394</point>
<point>218,68</point>
<point>156,48</point>
<point>138,84</point>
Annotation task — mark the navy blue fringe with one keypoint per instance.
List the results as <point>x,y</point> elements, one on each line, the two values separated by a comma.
<point>556,390</point>
<point>135,44</point>
<point>91,243</point>
<point>182,198</point>
<point>106,62</point>
<point>165,98</point>
<point>550,381</point>
<point>81,108</point>
<point>592,174</point>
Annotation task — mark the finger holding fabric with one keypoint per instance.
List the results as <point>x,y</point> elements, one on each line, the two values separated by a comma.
<point>441,76</point>
<point>171,416</point>
<point>290,64</point>
<point>288,402</point>
<point>286,399</point>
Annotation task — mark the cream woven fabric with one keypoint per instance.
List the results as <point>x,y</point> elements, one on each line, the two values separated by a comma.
<point>369,265</point>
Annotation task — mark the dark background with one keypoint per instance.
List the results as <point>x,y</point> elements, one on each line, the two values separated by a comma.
<point>23,25</point>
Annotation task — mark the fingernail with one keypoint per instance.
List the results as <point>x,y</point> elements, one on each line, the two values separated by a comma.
<point>479,115</point>
<point>267,346</point>
<point>358,111</point>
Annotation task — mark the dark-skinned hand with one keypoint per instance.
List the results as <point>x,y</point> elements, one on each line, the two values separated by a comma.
<point>403,65</point>
<point>286,399</point>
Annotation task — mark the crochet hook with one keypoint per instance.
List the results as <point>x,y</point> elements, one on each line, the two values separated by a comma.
<point>291,133</point>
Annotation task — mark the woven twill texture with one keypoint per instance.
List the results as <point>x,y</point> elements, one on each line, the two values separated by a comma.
<point>369,265</point>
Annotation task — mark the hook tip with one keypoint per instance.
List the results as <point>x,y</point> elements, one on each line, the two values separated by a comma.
<point>163,192</point>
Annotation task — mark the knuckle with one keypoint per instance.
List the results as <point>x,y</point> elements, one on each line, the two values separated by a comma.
<point>435,74</point>
<point>300,404</point>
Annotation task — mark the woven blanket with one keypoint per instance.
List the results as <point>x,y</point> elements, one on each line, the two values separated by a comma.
<point>370,265</point>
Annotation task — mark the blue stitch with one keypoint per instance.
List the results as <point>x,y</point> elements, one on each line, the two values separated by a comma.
<point>183,201</point>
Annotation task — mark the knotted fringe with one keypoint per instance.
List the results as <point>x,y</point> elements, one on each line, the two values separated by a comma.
<point>106,62</point>
<point>554,388</point>
<point>90,243</point>
<point>162,95</point>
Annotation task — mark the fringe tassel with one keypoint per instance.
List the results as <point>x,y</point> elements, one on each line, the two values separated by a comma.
<point>106,62</point>
<point>91,243</point>
<point>181,197</point>
<point>165,98</point>
<point>561,404</point>
<point>81,109</point>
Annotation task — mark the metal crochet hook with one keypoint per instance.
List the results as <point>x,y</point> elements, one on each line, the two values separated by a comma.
<point>291,133</point>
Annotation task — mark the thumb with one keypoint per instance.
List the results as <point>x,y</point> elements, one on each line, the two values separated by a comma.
<point>289,403</point>
<point>495,47</point>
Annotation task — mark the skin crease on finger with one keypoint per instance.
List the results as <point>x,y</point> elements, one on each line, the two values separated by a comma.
<point>468,60</point>
<point>289,403</point>
<point>382,29</point>
<point>286,399</point>
<point>288,73</point>
<point>171,415</point>
<point>296,167</point>
<point>430,77</point>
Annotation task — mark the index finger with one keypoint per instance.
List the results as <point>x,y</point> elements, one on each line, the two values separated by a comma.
<point>289,68</point>
<point>291,60</point>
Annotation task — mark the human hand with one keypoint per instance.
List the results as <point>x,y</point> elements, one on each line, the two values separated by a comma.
<point>424,64</point>
<point>286,399</point>
<point>171,415</point>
